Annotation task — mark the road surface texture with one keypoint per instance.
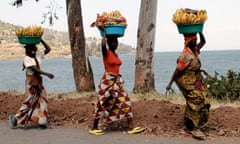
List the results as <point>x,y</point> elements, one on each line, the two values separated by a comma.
<point>61,135</point>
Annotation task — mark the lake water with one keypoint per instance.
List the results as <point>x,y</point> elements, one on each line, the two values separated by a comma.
<point>12,77</point>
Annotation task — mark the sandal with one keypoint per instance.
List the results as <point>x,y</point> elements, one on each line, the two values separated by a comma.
<point>136,130</point>
<point>96,132</point>
<point>198,134</point>
<point>12,122</point>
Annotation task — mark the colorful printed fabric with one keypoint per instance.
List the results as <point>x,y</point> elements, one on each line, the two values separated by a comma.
<point>34,105</point>
<point>193,87</point>
<point>113,101</point>
<point>184,59</point>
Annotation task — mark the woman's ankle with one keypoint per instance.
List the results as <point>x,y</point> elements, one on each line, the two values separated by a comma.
<point>130,123</point>
<point>95,124</point>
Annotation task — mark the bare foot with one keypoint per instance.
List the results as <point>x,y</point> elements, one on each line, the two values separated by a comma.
<point>198,134</point>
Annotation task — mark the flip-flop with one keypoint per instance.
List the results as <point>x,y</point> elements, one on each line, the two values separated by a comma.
<point>12,122</point>
<point>136,130</point>
<point>96,132</point>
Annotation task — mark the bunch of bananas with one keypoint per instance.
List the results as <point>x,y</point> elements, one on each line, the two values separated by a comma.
<point>189,16</point>
<point>110,18</point>
<point>112,14</point>
<point>30,31</point>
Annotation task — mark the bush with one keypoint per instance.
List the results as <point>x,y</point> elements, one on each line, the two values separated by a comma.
<point>225,87</point>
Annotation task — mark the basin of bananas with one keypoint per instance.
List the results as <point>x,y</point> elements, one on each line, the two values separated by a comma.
<point>113,22</point>
<point>189,20</point>
<point>29,34</point>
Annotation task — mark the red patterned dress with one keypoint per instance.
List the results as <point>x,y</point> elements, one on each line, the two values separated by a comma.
<point>113,101</point>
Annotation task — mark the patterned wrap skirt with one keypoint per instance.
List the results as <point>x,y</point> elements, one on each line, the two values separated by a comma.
<point>195,91</point>
<point>34,106</point>
<point>113,101</point>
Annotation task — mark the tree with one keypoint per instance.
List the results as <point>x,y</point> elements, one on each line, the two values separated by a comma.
<point>82,70</point>
<point>144,74</point>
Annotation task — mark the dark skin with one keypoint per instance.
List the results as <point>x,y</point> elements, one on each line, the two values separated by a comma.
<point>193,45</point>
<point>112,42</point>
<point>31,51</point>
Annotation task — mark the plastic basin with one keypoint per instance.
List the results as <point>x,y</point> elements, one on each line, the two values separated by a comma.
<point>29,39</point>
<point>190,28</point>
<point>117,30</point>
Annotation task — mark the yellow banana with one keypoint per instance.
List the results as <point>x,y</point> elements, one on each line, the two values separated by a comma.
<point>30,31</point>
<point>183,17</point>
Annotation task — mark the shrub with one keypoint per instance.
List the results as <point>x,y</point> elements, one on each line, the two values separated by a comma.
<point>225,87</point>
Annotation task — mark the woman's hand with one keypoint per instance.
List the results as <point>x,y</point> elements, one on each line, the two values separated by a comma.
<point>104,35</point>
<point>202,40</point>
<point>51,76</point>
<point>47,47</point>
<point>104,41</point>
<point>169,86</point>
<point>175,73</point>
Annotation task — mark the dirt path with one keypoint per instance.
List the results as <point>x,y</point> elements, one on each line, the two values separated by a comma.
<point>160,118</point>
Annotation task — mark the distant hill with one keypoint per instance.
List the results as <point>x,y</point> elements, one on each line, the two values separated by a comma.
<point>58,40</point>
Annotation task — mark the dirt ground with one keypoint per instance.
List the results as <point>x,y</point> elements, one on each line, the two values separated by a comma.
<point>159,117</point>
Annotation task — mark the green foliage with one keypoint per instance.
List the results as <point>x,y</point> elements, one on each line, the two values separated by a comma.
<point>225,87</point>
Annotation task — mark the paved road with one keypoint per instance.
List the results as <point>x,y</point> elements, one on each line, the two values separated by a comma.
<point>79,136</point>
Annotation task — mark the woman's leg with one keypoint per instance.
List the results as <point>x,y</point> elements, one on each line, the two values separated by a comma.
<point>189,124</point>
<point>12,121</point>
<point>133,130</point>
<point>95,123</point>
<point>95,130</point>
<point>130,123</point>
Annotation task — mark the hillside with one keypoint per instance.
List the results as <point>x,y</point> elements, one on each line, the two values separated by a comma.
<point>58,40</point>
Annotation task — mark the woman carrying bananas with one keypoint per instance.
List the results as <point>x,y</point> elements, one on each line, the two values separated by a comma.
<point>34,105</point>
<point>189,79</point>
<point>113,102</point>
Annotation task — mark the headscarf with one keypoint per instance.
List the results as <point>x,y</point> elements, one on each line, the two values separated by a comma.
<point>189,38</point>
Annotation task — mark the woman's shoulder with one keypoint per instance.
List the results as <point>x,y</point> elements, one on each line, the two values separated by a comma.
<point>109,53</point>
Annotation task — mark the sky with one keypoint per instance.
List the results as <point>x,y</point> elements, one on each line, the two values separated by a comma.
<point>221,30</point>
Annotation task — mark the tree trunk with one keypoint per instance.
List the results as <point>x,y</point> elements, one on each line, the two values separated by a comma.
<point>144,74</point>
<point>82,70</point>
